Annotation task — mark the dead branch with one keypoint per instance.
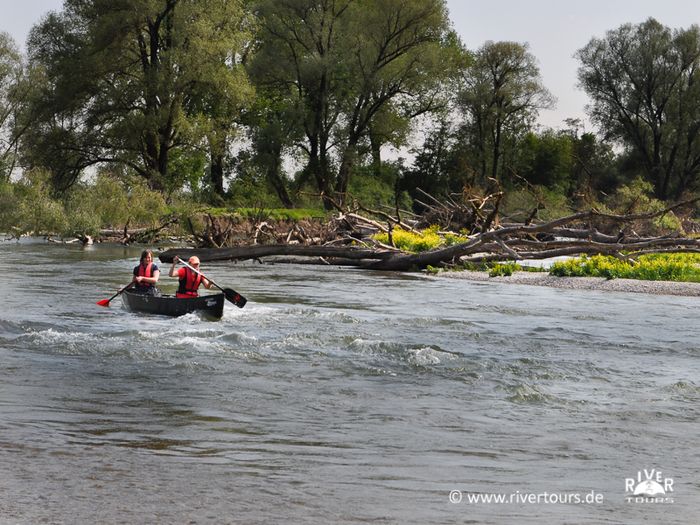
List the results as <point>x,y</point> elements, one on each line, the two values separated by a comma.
<point>350,239</point>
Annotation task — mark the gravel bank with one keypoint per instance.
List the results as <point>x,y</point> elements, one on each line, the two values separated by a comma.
<point>583,283</point>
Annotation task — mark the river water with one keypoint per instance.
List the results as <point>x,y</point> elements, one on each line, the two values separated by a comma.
<point>339,396</point>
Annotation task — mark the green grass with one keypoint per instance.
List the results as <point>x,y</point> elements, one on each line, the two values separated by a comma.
<point>275,214</point>
<point>284,214</point>
<point>683,267</point>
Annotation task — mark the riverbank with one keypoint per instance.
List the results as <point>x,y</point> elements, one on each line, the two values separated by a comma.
<point>584,283</point>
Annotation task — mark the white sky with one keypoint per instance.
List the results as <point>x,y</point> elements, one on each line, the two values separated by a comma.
<point>554,30</point>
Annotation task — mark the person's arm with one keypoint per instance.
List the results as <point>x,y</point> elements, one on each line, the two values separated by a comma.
<point>149,280</point>
<point>206,283</point>
<point>173,270</point>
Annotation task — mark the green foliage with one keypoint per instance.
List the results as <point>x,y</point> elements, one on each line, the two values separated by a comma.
<point>594,169</point>
<point>250,188</point>
<point>654,267</point>
<point>30,207</point>
<point>130,81</point>
<point>502,95</point>
<point>359,69</point>
<point>374,190</point>
<point>11,72</point>
<point>187,168</point>
<point>109,202</point>
<point>504,269</point>
<point>642,80</point>
<point>546,159</point>
<point>519,204</point>
<point>284,214</point>
<point>473,266</point>
<point>439,167</point>
<point>635,198</point>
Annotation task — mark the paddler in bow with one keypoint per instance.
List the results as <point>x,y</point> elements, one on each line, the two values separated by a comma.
<point>146,275</point>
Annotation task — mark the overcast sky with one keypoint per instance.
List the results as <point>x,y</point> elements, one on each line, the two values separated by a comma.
<point>554,30</point>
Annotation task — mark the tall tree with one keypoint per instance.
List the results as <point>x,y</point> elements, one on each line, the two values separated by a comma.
<point>644,83</point>
<point>396,62</point>
<point>13,91</point>
<point>300,56</point>
<point>120,76</point>
<point>223,94</point>
<point>350,67</point>
<point>500,100</point>
<point>273,130</point>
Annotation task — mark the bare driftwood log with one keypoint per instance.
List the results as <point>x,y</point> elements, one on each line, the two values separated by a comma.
<point>242,253</point>
<point>571,235</point>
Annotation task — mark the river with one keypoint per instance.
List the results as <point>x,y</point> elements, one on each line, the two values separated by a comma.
<point>340,396</point>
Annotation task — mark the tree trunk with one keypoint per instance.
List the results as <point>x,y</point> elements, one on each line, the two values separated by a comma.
<point>216,173</point>
<point>376,151</point>
<point>346,166</point>
<point>274,177</point>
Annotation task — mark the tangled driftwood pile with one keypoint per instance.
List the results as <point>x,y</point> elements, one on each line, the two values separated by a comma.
<point>347,239</point>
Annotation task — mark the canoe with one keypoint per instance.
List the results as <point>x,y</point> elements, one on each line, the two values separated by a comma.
<point>212,306</point>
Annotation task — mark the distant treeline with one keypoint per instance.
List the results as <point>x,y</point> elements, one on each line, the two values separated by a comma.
<point>275,101</point>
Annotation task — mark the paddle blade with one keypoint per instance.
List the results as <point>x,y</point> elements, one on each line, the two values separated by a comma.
<point>235,297</point>
<point>103,302</point>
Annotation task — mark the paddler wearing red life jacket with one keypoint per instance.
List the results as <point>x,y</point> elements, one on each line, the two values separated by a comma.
<point>146,275</point>
<point>189,280</point>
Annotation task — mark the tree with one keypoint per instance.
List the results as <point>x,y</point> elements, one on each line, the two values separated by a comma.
<point>121,77</point>
<point>547,159</point>
<point>644,83</point>
<point>221,97</point>
<point>274,127</point>
<point>299,57</point>
<point>500,99</point>
<point>269,143</point>
<point>13,92</point>
<point>348,68</point>
<point>434,167</point>
<point>397,63</point>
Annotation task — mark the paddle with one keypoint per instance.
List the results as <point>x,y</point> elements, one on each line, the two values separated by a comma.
<point>105,302</point>
<point>231,295</point>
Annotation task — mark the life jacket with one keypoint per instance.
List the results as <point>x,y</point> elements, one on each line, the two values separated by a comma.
<point>145,272</point>
<point>188,285</point>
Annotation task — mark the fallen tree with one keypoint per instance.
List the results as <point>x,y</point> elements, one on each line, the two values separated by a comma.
<point>576,234</point>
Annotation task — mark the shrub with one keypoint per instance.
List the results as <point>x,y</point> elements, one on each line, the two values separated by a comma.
<point>32,209</point>
<point>111,202</point>
<point>503,269</point>
<point>518,204</point>
<point>654,267</point>
<point>636,197</point>
<point>428,239</point>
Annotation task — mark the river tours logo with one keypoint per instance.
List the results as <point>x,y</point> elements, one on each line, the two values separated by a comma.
<point>649,486</point>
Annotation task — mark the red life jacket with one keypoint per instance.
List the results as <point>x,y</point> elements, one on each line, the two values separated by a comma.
<point>145,272</point>
<point>188,285</point>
